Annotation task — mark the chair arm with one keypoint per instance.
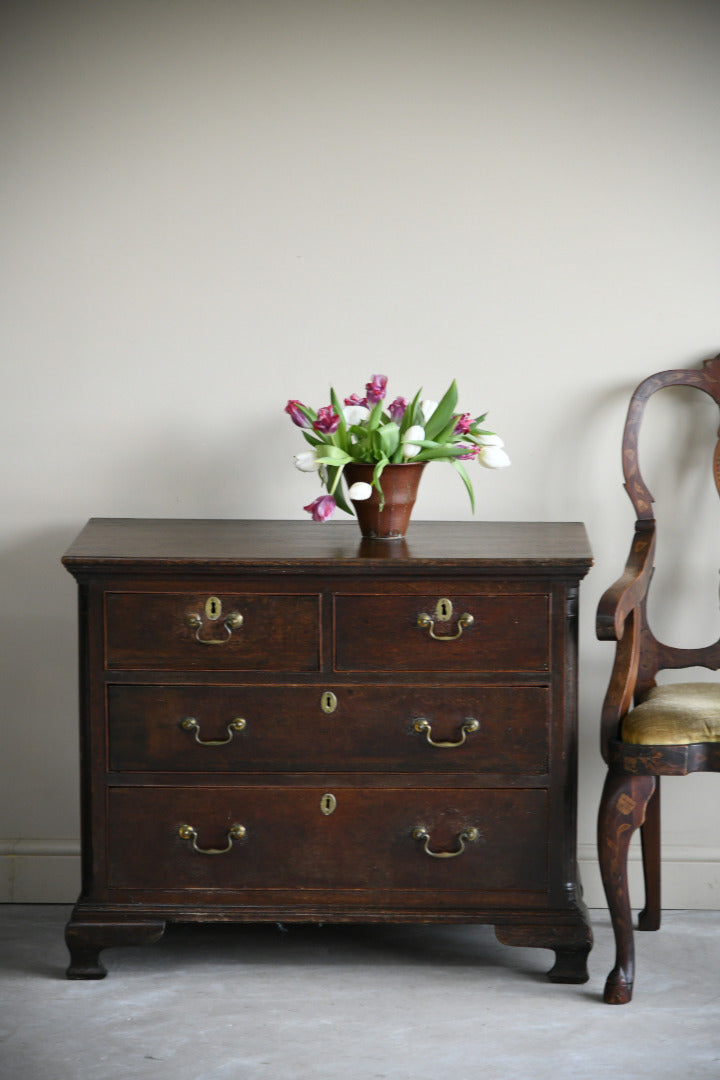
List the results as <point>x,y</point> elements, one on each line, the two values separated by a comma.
<point>629,591</point>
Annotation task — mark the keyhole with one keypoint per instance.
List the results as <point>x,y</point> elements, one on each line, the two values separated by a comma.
<point>328,702</point>
<point>443,610</point>
<point>213,608</point>
<point>328,803</point>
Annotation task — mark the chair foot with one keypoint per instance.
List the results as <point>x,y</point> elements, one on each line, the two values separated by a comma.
<point>648,920</point>
<point>618,988</point>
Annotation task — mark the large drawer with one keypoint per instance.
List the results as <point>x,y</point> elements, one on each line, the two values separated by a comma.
<point>416,632</point>
<point>374,838</point>
<point>171,631</point>
<point>338,728</point>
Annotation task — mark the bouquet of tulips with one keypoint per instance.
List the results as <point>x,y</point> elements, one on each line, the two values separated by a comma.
<point>364,430</point>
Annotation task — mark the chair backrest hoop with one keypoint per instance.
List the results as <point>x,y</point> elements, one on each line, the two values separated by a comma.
<point>706,378</point>
<point>654,655</point>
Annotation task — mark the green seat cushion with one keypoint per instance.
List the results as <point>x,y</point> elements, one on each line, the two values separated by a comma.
<point>675,715</point>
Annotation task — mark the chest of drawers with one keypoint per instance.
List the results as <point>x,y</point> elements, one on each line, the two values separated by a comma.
<point>280,721</point>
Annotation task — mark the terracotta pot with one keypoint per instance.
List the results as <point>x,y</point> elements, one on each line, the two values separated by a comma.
<point>400,485</point>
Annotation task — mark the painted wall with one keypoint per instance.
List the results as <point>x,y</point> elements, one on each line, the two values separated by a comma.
<point>208,208</point>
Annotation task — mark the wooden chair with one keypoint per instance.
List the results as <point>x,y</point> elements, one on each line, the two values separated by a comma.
<point>648,731</point>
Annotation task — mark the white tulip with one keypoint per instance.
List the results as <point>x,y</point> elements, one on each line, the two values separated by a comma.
<point>490,440</point>
<point>413,434</point>
<point>427,408</point>
<point>306,462</point>
<point>355,414</point>
<point>493,457</point>
<point>359,491</point>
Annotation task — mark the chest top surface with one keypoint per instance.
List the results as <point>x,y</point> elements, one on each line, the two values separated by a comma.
<point>214,546</point>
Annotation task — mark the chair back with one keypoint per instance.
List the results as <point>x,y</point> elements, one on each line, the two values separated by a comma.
<point>655,656</point>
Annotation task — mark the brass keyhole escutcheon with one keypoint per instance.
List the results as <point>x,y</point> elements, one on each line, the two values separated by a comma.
<point>328,702</point>
<point>443,610</point>
<point>328,802</point>
<point>213,608</point>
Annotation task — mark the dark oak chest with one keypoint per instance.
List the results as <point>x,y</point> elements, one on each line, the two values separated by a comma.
<point>280,721</point>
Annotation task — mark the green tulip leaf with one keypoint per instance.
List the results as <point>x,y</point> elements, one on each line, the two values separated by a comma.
<point>460,468</point>
<point>332,455</point>
<point>445,409</point>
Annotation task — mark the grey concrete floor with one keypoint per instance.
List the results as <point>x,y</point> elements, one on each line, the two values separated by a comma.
<point>353,1003</point>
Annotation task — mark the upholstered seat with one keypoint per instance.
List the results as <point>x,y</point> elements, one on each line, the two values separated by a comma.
<point>675,715</point>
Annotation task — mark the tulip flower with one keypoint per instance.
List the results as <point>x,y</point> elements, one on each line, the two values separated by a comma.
<point>463,423</point>
<point>491,454</point>
<point>376,389</point>
<point>327,421</point>
<point>295,414</point>
<point>306,461</point>
<point>412,435</point>
<point>397,409</point>
<point>427,408</point>
<point>355,399</point>
<point>321,508</point>
<point>355,414</point>
<point>360,491</point>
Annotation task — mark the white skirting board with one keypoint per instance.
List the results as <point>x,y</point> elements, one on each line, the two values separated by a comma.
<point>48,872</point>
<point>690,877</point>
<point>39,871</point>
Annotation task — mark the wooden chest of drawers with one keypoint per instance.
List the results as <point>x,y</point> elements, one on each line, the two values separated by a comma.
<point>280,721</point>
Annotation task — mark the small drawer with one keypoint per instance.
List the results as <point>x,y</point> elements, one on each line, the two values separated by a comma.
<point>450,632</point>
<point>338,728</point>
<point>328,839</point>
<point>174,631</point>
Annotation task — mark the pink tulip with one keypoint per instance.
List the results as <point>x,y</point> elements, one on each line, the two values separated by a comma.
<point>463,423</point>
<point>295,414</point>
<point>327,421</point>
<point>397,409</point>
<point>376,389</point>
<point>355,399</point>
<point>322,508</point>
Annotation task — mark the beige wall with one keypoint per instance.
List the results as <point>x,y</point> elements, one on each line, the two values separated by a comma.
<point>211,207</point>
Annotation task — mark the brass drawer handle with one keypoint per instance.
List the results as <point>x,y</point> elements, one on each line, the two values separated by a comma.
<point>191,724</point>
<point>235,832</point>
<point>232,622</point>
<point>426,622</point>
<point>470,726</point>
<point>468,835</point>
